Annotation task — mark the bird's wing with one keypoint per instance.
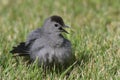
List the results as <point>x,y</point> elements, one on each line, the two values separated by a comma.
<point>68,49</point>
<point>33,36</point>
<point>24,47</point>
<point>21,49</point>
<point>39,44</point>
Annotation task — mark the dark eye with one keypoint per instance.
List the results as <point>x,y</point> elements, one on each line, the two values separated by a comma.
<point>56,25</point>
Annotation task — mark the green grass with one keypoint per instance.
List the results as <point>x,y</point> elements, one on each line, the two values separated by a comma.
<point>94,33</point>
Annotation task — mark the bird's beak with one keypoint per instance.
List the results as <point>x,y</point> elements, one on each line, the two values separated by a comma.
<point>66,26</point>
<point>63,30</point>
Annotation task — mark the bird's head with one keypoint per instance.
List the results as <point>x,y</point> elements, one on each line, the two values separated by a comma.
<point>54,25</point>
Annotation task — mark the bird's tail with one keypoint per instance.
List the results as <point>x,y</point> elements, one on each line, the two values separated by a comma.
<point>21,50</point>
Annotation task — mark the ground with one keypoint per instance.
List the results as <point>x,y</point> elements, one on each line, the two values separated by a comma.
<point>94,34</point>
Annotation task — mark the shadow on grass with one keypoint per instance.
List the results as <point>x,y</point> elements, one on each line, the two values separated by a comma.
<point>83,58</point>
<point>52,68</point>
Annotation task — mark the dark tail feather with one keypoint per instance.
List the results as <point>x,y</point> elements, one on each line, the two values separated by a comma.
<point>21,49</point>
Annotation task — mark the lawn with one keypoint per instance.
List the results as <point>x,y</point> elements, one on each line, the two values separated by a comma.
<point>94,34</point>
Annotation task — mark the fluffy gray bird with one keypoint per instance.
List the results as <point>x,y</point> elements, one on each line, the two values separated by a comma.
<point>47,44</point>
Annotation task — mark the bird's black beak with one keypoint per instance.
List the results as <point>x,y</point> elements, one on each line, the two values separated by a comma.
<point>66,26</point>
<point>63,30</point>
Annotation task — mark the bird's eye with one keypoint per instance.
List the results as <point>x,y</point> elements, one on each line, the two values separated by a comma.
<point>56,25</point>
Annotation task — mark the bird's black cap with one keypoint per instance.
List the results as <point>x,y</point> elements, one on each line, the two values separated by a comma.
<point>58,19</point>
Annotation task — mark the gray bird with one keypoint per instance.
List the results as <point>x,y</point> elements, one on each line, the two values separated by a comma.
<point>47,44</point>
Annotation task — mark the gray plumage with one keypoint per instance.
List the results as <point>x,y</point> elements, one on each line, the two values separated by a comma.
<point>47,44</point>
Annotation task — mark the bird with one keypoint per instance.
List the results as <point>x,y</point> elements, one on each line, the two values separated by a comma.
<point>47,44</point>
